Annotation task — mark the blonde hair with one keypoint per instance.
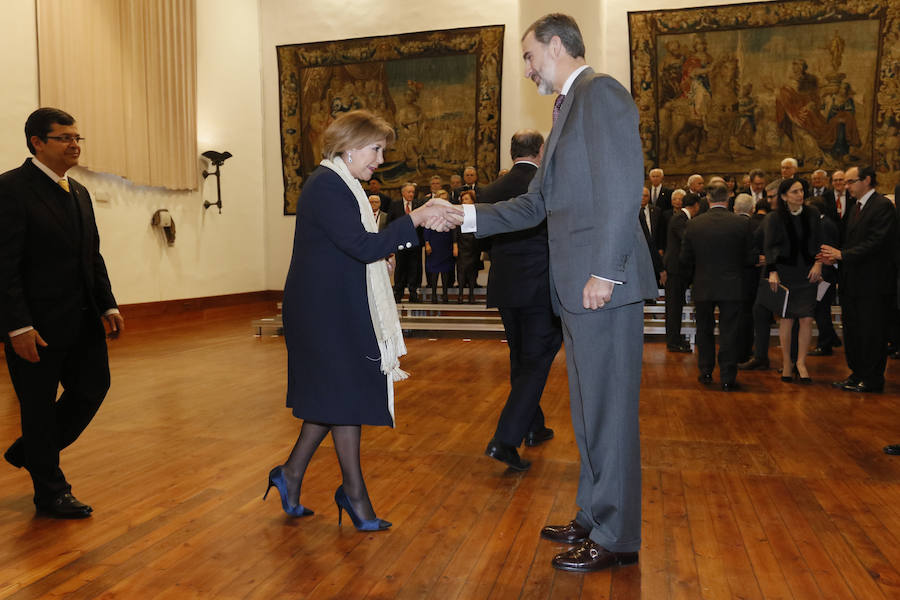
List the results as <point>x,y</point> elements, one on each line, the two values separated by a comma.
<point>354,130</point>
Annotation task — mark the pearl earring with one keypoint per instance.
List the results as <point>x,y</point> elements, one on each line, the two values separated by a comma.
<point>349,157</point>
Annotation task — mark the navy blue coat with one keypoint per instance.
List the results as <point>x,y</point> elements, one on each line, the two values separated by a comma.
<point>334,365</point>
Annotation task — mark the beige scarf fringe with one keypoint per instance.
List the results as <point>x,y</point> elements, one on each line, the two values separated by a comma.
<point>382,307</point>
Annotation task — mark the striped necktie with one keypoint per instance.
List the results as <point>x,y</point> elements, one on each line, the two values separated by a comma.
<point>557,105</point>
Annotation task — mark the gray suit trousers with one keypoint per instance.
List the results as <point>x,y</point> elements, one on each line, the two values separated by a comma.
<point>603,355</point>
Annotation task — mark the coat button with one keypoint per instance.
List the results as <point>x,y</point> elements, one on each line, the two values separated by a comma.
<point>400,247</point>
<point>409,244</point>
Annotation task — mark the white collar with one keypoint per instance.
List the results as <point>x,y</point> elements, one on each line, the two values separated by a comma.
<point>48,171</point>
<point>687,212</point>
<point>571,79</point>
<point>524,161</point>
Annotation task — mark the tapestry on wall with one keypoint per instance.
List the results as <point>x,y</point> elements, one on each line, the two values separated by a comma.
<point>439,89</point>
<point>724,88</point>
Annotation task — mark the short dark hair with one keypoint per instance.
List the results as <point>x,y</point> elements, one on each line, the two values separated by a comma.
<point>527,142</point>
<point>868,171</point>
<point>41,121</point>
<point>717,193</point>
<point>690,200</point>
<point>558,24</point>
<point>757,173</point>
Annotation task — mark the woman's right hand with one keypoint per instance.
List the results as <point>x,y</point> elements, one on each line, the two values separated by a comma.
<point>774,281</point>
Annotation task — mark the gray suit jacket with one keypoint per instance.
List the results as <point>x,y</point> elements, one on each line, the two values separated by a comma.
<point>589,189</point>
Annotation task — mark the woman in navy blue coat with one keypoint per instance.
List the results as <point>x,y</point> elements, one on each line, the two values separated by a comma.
<point>340,322</point>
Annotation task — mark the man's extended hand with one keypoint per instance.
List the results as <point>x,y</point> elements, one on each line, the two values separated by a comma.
<point>116,324</point>
<point>829,254</point>
<point>597,293</point>
<point>437,214</point>
<point>25,345</point>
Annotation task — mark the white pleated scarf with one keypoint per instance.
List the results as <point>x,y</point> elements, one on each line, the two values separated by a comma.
<point>382,307</point>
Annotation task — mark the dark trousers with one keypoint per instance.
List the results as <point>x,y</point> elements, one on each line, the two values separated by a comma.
<point>675,289</point>
<point>865,336</point>
<point>432,279</point>
<point>408,273</point>
<point>827,335</point>
<point>534,336</point>
<point>729,322</point>
<point>50,424</point>
<point>467,277</point>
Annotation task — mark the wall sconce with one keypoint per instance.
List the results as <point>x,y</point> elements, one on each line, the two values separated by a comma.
<point>216,159</point>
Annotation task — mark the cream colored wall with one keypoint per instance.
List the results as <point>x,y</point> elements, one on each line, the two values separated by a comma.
<point>213,254</point>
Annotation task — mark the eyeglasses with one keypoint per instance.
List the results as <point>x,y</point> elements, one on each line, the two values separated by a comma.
<point>851,180</point>
<point>66,139</point>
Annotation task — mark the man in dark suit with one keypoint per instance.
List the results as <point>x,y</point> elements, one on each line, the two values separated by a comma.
<point>650,219</point>
<point>676,282</point>
<point>519,286</point>
<point>408,271</point>
<point>867,279</point>
<point>660,195</point>
<point>757,187</point>
<point>744,207</point>
<point>375,188</point>
<point>818,184</point>
<point>717,246</point>
<point>828,337</point>
<point>839,203</point>
<point>55,296</point>
<point>470,182</point>
<point>588,190</point>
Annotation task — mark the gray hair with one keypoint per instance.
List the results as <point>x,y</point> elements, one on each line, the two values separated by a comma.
<point>791,161</point>
<point>563,26</point>
<point>743,204</point>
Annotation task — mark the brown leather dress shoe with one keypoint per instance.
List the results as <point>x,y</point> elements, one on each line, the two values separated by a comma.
<point>571,533</point>
<point>590,556</point>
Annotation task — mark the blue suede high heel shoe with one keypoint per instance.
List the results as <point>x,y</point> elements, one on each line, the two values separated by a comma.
<point>343,503</point>
<point>276,479</point>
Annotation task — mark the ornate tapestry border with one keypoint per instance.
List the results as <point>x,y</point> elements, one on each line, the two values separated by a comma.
<point>645,26</point>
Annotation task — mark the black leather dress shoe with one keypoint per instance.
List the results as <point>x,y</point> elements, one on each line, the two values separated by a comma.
<point>686,348</point>
<point>14,455</point>
<point>892,449</point>
<point>863,387</point>
<point>730,386</point>
<point>753,364</point>
<point>845,382</point>
<point>64,506</point>
<point>506,454</point>
<point>590,556</point>
<point>820,351</point>
<point>705,378</point>
<point>536,438</point>
<point>570,533</point>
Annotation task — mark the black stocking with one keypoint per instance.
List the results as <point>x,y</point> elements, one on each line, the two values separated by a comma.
<point>311,435</point>
<point>346,444</point>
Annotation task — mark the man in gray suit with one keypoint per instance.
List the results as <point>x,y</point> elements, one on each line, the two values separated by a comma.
<point>589,188</point>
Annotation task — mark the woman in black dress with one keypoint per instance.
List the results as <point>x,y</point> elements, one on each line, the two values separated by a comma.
<point>793,235</point>
<point>341,328</point>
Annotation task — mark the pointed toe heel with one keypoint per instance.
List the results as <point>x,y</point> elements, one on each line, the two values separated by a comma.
<point>278,481</point>
<point>343,503</point>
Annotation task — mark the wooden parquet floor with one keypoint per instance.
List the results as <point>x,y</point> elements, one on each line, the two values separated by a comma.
<point>777,491</point>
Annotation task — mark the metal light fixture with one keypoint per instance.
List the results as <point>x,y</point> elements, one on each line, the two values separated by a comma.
<point>216,159</point>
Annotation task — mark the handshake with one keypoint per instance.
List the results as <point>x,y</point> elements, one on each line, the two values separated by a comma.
<point>437,214</point>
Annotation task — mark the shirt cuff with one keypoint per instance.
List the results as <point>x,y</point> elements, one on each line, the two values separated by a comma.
<point>468,224</point>
<point>20,331</point>
<point>605,279</point>
<point>112,311</point>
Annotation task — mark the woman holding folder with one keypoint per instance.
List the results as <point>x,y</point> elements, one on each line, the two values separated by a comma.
<point>793,234</point>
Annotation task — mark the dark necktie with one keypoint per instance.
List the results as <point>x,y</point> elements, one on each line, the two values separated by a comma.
<point>557,105</point>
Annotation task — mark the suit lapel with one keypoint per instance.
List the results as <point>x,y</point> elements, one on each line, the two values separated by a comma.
<point>564,110</point>
<point>52,196</point>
